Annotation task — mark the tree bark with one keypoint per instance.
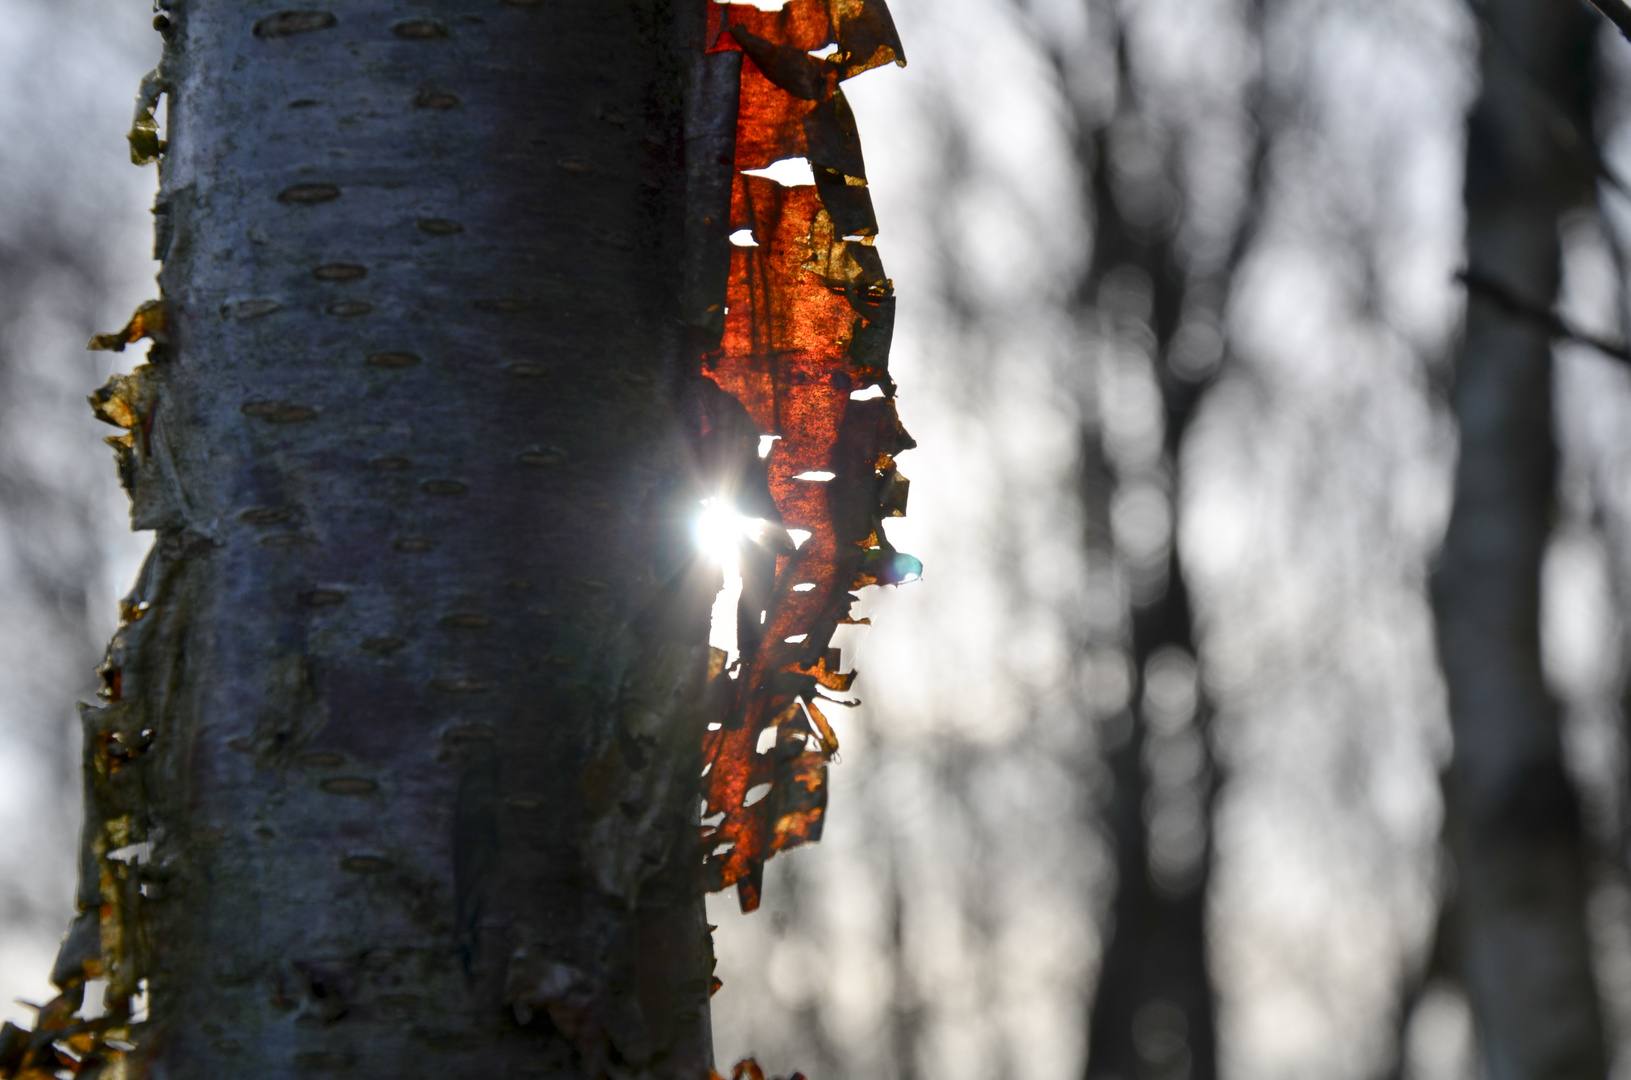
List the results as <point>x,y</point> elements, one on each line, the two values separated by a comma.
<point>1514,827</point>
<point>409,699</point>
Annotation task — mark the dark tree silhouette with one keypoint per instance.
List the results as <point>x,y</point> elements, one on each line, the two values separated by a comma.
<point>1518,939</point>
<point>1153,1008</point>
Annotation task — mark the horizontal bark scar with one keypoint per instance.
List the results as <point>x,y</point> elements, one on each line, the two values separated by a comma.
<point>289,23</point>
<point>308,194</point>
<point>279,412</point>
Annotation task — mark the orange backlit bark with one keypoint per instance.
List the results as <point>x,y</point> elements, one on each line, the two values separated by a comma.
<point>809,314</point>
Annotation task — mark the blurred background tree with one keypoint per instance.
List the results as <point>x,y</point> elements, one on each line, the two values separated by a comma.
<point>1513,933</point>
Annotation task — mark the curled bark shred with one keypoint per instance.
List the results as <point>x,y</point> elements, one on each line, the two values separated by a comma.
<point>749,1069</point>
<point>145,145</point>
<point>148,322</point>
<point>109,940</point>
<point>808,315</point>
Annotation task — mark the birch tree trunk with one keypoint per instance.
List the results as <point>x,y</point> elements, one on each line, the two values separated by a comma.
<point>408,701</point>
<point>1514,827</point>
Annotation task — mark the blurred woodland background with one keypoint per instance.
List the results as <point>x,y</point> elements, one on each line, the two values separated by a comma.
<point>1150,780</point>
<point>75,255</point>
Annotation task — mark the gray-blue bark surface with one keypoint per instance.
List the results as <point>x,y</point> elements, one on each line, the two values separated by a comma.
<point>417,696</point>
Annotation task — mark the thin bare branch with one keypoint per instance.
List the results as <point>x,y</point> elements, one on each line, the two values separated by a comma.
<point>1617,12</point>
<point>1508,300</point>
<point>1570,135</point>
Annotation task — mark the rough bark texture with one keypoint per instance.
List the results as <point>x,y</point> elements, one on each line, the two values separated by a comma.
<point>1514,828</point>
<point>410,697</point>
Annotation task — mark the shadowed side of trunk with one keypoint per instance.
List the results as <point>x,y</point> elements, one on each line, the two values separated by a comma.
<point>409,698</point>
<point>1514,828</point>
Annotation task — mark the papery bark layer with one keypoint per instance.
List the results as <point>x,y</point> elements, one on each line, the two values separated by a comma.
<point>807,316</point>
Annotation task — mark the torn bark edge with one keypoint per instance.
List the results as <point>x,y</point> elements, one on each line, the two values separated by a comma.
<point>119,877</point>
<point>842,259</point>
<point>749,1069</point>
<point>149,321</point>
<point>145,145</point>
<point>146,464</point>
<point>710,171</point>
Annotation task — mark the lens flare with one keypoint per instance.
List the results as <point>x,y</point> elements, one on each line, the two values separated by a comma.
<point>719,531</point>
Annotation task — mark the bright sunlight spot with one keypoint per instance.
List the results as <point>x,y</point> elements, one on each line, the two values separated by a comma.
<point>719,532</point>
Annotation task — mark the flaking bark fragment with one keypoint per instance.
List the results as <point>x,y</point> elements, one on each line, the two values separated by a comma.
<point>120,875</point>
<point>148,322</point>
<point>749,1069</point>
<point>145,145</point>
<point>810,314</point>
<point>791,69</point>
<point>866,36</point>
<point>146,465</point>
<point>640,788</point>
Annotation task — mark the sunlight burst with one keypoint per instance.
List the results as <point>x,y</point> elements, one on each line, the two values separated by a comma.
<point>719,531</point>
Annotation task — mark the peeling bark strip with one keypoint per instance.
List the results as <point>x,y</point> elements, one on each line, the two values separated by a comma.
<point>807,318</point>
<point>750,1070</point>
<point>394,768</point>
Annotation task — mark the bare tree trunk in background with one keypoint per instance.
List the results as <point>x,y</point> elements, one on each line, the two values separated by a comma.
<point>1153,1002</point>
<point>1154,1012</point>
<point>408,700</point>
<point>1513,822</point>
